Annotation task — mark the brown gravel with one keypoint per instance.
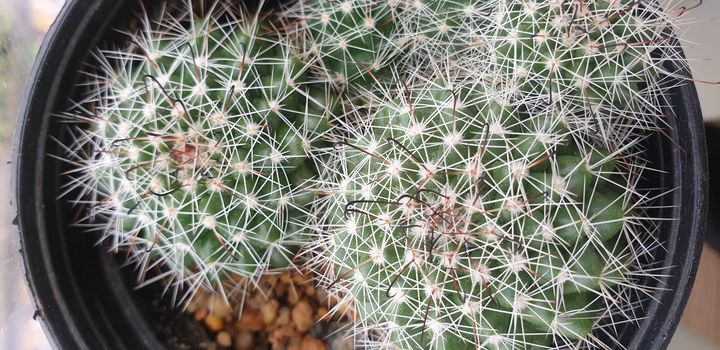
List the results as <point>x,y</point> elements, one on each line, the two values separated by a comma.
<point>310,343</point>
<point>224,339</point>
<point>302,316</point>
<point>214,323</point>
<point>244,340</point>
<point>284,312</point>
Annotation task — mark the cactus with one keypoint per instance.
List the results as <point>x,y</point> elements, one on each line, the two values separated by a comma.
<point>190,146</point>
<point>354,43</point>
<point>454,219</point>
<point>444,29</point>
<point>603,62</point>
<point>495,205</point>
<point>346,41</point>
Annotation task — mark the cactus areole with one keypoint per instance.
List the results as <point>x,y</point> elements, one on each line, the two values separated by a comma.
<point>459,175</point>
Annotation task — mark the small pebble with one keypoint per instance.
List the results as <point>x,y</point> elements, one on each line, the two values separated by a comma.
<point>219,307</point>
<point>223,339</point>
<point>269,311</point>
<point>255,301</point>
<point>283,316</point>
<point>294,296</point>
<point>243,341</point>
<point>214,323</point>
<point>312,343</point>
<point>295,344</point>
<point>281,336</point>
<point>271,280</point>
<point>251,321</point>
<point>200,314</point>
<point>298,278</point>
<point>285,278</point>
<point>321,313</point>
<point>197,302</point>
<point>302,316</point>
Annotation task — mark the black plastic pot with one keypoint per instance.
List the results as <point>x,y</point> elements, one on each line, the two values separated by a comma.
<point>712,131</point>
<point>85,301</point>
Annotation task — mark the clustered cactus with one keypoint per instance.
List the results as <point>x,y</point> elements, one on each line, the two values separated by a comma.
<point>461,174</point>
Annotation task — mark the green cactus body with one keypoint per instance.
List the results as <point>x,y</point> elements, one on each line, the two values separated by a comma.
<point>454,221</point>
<point>444,29</point>
<point>354,43</point>
<point>349,42</point>
<point>597,59</point>
<point>200,136</point>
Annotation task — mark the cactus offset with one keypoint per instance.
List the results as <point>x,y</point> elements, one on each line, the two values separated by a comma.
<point>603,62</point>
<point>347,41</point>
<point>454,221</point>
<point>444,29</point>
<point>191,146</point>
<point>356,42</point>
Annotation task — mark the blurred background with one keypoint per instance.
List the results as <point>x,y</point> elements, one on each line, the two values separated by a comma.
<point>22,26</point>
